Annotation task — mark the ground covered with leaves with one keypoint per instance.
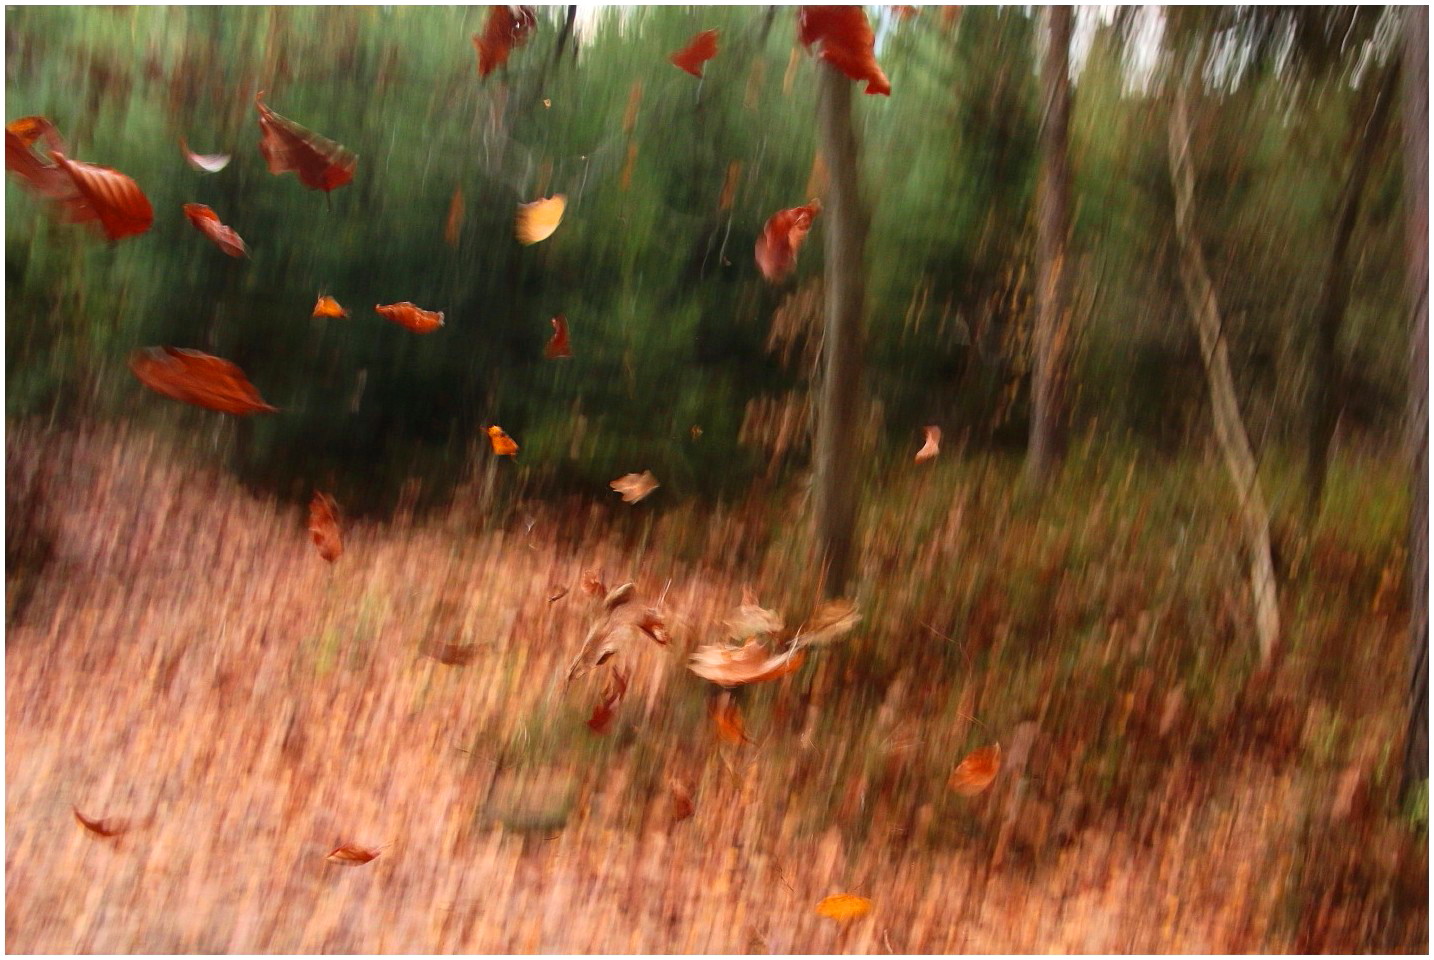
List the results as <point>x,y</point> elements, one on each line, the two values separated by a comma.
<point>250,724</point>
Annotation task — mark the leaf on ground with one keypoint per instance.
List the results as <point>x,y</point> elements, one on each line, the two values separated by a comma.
<point>324,526</point>
<point>977,771</point>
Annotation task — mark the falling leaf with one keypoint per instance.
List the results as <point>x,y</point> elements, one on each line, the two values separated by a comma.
<point>976,772</point>
<point>350,855</point>
<point>452,654</point>
<point>409,317</point>
<point>750,663</point>
<point>728,720</point>
<point>507,27</point>
<point>547,104</point>
<point>107,196</point>
<point>682,805</point>
<point>603,713</point>
<point>289,148</point>
<point>558,346</point>
<point>845,41</point>
<point>592,584</point>
<point>619,596</point>
<point>696,432</point>
<point>197,378</point>
<point>536,221</point>
<point>782,239</point>
<point>635,486</point>
<point>503,444</point>
<point>38,174</point>
<point>453,226</point>
<point>329,307</point>
<point>103,828</point>
<point>206,221</point>
<point>931,447</point>
<point>751,620</point>
<point>844,907</point>
<point>324,526</point>
<point>829,622</point>
<point>701,48</point>
<point>652,624</point>
<point>204,162</point>
<point>562,592</point>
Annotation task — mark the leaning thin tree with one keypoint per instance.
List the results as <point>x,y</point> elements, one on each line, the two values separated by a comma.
<point>1229,427</point>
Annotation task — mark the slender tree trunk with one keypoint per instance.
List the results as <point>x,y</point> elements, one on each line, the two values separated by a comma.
<point>1229,427</point>
<point>1327,391</point>
<point>565,33</point>
<point>1052,332</point>
<point>1416,223</point>
<point>845,287</point>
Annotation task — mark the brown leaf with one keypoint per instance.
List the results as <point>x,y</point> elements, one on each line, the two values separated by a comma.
<point>592,584</point>
<point>103,828</point>
<point>350,855</point>
<point>562,592</point>
<point>204,162</point>
<point>931,447</point>
<point>197,378</point>
<point>635,486</point>
<point>289,148</point>
<point>975,773</point>
<point>603,713</point>
<point>750,663</point>
<point>106,196</point>
<point>782,238</point>
<point>682,805</point>
<point>324,526</point>
<point>452,654</point>
<point>409,317</point>
<point>507,27</point>
<point>701,48</point>
<point>206,221</point>
<point>750,620</point>
<point>844,907</point>
<point>652,624</point>
<point>558,346</point>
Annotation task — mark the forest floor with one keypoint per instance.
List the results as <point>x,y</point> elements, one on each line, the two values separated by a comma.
<point>185,662</point>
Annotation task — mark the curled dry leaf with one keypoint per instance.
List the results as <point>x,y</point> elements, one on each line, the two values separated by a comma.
<point>350,855</point>
<point>558,346</point>
<point>604,712</point>
<point>782,238</point>
<point>329,307</point>
<point>828,623</point>
<point>287,147</point>
<point>204,162</point>
<point>749,663</point>
<point>105,196</point>
<point>507,27</point>
<point>102,828</point>
<point>975,773</point>
<point>931,447</point>
<point>503,445</point>
<point>750,620</point>
<point>206,221</point>
<point>618,620</point>
<point>728,721</point>
<point>592,584</point>
<point>682,805</point>
<point>453,226</point>
<point>536,221</point>
<point>701,48</point>
<point>635,486</point>
<point>324,526</point>
<point>844,907</point>
<point>193,377</point>
<point>845,41</point>
<point>409,317</point>
<point>559,593</point>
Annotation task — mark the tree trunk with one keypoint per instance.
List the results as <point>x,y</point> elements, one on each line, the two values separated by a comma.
<point>1326,389</point>
<point>1416,223</point>
<point>836,456</point>
<point>1052,332</point>
<point>1229,427</point>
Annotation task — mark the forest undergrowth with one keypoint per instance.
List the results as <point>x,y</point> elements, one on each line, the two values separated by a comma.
<point>182,664</point>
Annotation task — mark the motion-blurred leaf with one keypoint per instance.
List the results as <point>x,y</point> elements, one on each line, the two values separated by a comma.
<point>319,163</point>
<point>536,221</point>
<point>350,855</point>
<point>324,526</point>
<point>558,346</point>
<point>635,486</point>
<point>206,221</point>
<point>701,48</point>
<point>102,828</point>
<point>845,41</point>
<point>409,317</point>
<point>844,907</point>
<point>197,378</point>
<point>931,447</point>
<point>975,773</point>
<point>503,445</point>
<point>507,27</point>
<point>204,162</point>
<point>782,238</point>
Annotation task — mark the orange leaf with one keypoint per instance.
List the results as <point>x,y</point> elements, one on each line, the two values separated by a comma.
<point>603,713</point>
<point>106,196</point>
<point>454,224</point>
<point>728,720</point>
<point>749,663</point>
<point>503,444</point>
<point>197,378</point>
<point>329,307</point>
<point>350,855</point>
<point>592,583</point>
<point>932,446</point>
<point>701,48</point>
<point>206,221</point>
<point>558,346</point>
<point>536,221</point>
<point>289,148</point>
<point>103,828</point>
<point>38,174</point>
<point>976,772</point>
<point>844,906</point>
<point>782,239</point>
<point>409,317</point>
<point>507,27</point>
<point>682,805</point>
<point>846,42</point>
<point>324,526</point>
<point>206,162</point>
<point>635,486</point>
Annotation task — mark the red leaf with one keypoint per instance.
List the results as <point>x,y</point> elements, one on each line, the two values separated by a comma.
<point>782,240</point>
<point>847,43</point>
<point>507,27</point>
<point>205,162</point>
<point>289,148</point>
<point>324,526</point>
<point>105,195</point>
<point>558,346</point>
<point>197,378</point>
<point>603,713</point>
<point>699,50</point>
<point>206,221</point>
<point>43,177</point>
<point>408,316</point>
<point>350,855</point>
<point>104,828</point>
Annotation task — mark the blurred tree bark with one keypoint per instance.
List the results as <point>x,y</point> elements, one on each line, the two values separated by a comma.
<point>1229,427</point>
<point>1052,333</point>
<point>1416,222</point>
<point>836,456</point>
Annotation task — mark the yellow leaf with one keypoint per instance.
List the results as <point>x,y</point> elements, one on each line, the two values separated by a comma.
<point>537,220</point>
